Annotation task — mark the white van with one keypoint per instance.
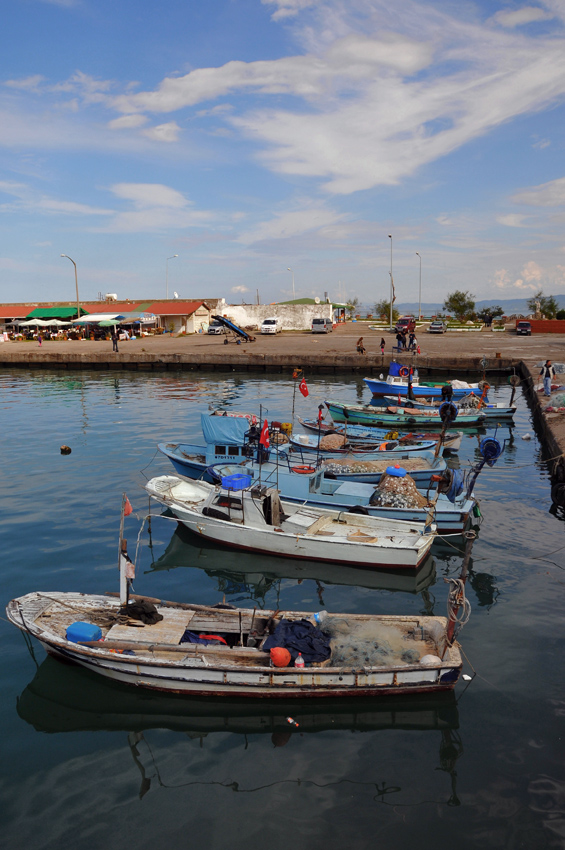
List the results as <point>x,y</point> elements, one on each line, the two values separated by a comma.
<point>322,326</point>
<point>271,326</point>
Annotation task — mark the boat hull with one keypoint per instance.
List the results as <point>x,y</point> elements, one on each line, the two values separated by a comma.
<point>396,421</point>
<point>382,388</point>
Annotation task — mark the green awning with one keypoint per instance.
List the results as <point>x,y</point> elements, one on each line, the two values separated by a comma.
<point>55,313</point>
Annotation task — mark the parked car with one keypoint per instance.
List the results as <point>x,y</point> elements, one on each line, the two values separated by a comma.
<point>322,326</point>
<point>524,328</point>
<point>216,328</point>
<point>406,323</point>
<point>437,327</point>
<point>271,326</point>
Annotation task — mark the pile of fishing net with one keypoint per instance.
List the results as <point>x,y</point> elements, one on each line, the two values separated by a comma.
<point>372,644</point>
<point>396,492</point>
<point>332,442</point>
<point>347,464</point>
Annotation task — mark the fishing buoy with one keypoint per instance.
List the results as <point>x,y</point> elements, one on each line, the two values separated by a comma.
<point>526,436</point>
<point>66,450</point>
<point>280,656</point>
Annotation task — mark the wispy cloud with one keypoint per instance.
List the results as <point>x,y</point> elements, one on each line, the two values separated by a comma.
<point>520,17</point>
<point>550,194</point>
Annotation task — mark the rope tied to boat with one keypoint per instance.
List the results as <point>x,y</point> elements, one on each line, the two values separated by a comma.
<point>458,606</point>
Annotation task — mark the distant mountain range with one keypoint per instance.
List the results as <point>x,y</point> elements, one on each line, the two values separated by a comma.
<point>510,306</point>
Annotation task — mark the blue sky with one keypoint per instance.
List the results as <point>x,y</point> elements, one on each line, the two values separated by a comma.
<point>249,136</point>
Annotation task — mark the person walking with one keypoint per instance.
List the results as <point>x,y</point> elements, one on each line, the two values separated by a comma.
<point>548,373</point>
<point>39,339</point>
<point>383,343</point>
<point>114,340</point>
<point>360,346</point>
<point>412,341</point>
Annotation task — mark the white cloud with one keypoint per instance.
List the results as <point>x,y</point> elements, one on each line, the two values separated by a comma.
<point>503,280</point>
<point>69,207</point>
<point>288,8</point>
<point>26,84</point>
<point>532,271</point>
<point>150,195</point>
<point>127,122</point>
<point>550,194</point>
<point>519,17</point>
<point>239,289</point>
<point>289,224</point>
<point>163,132</point>
<point>511,220</point>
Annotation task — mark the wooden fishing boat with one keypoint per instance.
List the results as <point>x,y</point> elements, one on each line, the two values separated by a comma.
<point>396,383</point>
<point>368,655</point>
<point>492,410</point>
<point>371,437</point>
<point>257,520</point>
<point>312,443</point>
<point>404,419</point>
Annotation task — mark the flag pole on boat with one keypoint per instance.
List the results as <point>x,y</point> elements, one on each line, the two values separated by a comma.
<point>123,559</point>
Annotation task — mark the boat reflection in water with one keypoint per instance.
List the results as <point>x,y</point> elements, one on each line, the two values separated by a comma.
<point>259,573</point>
<point>66,698</point>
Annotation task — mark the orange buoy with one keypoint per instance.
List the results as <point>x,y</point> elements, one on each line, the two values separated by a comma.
<point>280,656</point>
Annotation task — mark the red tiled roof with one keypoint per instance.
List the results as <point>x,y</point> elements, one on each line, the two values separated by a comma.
<point>174,308</point>
<point>13,310</point>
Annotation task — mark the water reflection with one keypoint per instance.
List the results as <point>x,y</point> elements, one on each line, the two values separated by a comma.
<point>63,698</point>
<point>255,575</point>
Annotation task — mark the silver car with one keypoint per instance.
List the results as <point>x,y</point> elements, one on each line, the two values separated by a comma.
<point>322,326</point>
<point>437,328</point>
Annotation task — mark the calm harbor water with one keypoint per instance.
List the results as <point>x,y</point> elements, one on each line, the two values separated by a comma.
<point>87,764</point>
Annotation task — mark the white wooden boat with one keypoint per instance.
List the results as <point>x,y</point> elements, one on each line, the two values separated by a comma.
<point>257,520</point>
<point>400,654</point>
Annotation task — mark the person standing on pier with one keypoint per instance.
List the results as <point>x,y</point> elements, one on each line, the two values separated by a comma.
<point>39,339</point>
<point>548,373</point>
<point>114,340</point>
<point>383,343</point>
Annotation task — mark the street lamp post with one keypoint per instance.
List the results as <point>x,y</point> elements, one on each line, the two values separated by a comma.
<point>293,293</point>
<point>391,281</point>
<point>167,275</point>
<point>76,281</point>
<point>420,289</point>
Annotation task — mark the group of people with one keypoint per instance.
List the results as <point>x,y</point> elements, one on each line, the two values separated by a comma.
<point>412,343</point>
<point>407,343</point>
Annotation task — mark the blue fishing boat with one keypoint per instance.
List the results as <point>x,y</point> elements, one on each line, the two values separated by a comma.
<point>366,435</point>
<point>396,383</point>
<point>228,440</point>
<point>404,419</point>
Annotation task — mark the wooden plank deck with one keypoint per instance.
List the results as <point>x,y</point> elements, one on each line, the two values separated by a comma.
<point>168,630</point>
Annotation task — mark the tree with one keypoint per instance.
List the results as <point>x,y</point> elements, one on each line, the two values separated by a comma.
<point>461,304</point>
<point>351,306</point>
<point>487,314</point>
<point>382,310</point>
<point>548,305</point>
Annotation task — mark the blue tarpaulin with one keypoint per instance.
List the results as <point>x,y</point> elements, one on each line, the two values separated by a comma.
<point>223,430</point>
<point>394,369</point>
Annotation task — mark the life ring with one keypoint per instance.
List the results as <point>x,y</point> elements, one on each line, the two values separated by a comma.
<point>403,371</point>
<point>303,470</point>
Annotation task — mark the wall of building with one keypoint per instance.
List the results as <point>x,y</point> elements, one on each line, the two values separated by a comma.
<point>294,317</point>
<point>545,326</point>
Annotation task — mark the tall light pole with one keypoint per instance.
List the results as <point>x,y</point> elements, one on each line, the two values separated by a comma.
<point>76,281</point>
<point>391,281</point>
<point>167,274</point>
<point>420,289</point>
<point>293,293</point>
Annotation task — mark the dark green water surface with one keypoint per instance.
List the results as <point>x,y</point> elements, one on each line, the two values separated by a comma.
<point>88,765</point>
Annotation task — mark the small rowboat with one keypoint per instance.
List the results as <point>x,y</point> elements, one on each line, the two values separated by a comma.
<point>401,654</point>
<point>371,437</point>
<point>492,410</point>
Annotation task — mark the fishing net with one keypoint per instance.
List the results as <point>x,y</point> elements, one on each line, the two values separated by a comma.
<point>341,465</point>
<point>374,644</point>
<point>331,442</point>
<point>394,492</point>
<point>558,400</point>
